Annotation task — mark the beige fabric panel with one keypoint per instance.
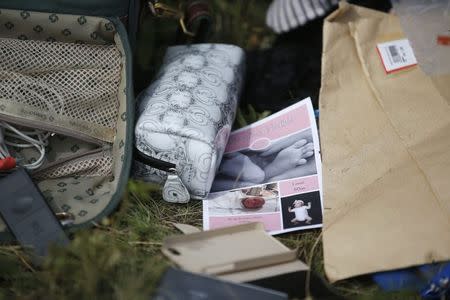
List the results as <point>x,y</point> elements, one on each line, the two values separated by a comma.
<point>40,26</point>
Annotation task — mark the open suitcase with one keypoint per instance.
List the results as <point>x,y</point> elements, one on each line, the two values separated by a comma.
<point>65,67</point>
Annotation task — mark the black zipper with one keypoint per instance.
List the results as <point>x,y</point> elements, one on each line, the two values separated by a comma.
<point>174,189</point>
<point>153,162</point>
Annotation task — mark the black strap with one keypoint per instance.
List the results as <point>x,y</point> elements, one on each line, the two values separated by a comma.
<point>133,22</point>
<point>28,215</point>
<point>152,162</point>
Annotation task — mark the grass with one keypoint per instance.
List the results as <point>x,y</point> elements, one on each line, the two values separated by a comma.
<point>121,258</point>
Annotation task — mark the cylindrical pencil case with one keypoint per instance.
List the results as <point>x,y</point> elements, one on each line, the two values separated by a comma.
<point>185,117</point>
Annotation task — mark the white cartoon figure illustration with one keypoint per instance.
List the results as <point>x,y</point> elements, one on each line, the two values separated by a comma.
<point>301,212</point>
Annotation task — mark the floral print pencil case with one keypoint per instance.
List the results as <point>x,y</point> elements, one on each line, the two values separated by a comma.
<point>185,117</point>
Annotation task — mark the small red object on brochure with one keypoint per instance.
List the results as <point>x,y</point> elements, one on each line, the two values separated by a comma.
<point>253,202</point>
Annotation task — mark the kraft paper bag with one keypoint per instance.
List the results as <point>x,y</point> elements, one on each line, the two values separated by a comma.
<point>386,152</point>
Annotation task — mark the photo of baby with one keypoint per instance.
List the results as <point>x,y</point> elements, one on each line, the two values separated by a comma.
<point>301,210</point>
<point>288,157</point>
<point>257,199</point>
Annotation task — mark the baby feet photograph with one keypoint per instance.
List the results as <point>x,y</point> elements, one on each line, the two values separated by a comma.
<point>288,157</point>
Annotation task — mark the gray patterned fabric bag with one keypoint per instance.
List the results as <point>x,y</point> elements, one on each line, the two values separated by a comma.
<point>185,117</point>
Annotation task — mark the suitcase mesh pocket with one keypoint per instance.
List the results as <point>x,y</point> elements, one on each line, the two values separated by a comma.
<point>98,165</point>
<point>73,86</point>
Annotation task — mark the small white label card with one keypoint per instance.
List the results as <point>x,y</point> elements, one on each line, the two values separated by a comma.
<point>396,55</point>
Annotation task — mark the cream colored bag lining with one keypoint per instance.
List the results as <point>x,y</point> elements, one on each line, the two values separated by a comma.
<point>61,85</point>
<point>83,196</point>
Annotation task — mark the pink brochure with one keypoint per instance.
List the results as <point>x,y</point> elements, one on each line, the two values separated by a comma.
<point>270,173</point>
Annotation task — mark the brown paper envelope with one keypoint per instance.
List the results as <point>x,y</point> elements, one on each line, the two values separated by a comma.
<point>386,153</point>
<point>442,83</point>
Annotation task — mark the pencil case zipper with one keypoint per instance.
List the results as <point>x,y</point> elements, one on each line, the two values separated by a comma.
<point>174,189</point>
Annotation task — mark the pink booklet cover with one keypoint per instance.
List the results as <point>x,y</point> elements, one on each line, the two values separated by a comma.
<point>270,173</point>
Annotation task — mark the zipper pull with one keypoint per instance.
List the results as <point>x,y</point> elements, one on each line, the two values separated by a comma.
<point>174,190</point>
